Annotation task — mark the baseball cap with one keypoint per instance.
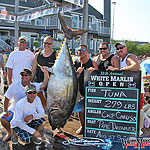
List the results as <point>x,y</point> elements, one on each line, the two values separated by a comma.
<point>120,43</point>
<point>26,71</point>
<point>23,38</point>
<point>30,88</point>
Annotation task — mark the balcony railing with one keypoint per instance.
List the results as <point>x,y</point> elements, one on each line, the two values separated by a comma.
<point>46,22</point>
<point>92,27</point>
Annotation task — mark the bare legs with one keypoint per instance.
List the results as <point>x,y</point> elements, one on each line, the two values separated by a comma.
<point>6,125</point>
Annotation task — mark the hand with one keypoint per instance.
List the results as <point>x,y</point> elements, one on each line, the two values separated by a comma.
<point>36,134</point>
<point>80,69</point>
<point>91,69</point>
<point>7,114</point>
<point>44,68</point>
<point>28,118</point>
<point>110,68</point>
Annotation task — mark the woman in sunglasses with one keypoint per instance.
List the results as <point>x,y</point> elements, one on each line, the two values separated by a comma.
<point>105,60</point>
<point>46,57</point>
<point>84,63</point>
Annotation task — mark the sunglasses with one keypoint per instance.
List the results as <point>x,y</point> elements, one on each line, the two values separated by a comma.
<point>32,92</point>
<point>103,48</point>
<point>82,50</point>
<point>22,41</point>
<point>25,75</point>
<point>119,48</point>
<point>47,43</point>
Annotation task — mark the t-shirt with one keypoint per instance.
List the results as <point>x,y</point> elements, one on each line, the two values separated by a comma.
<point>35,108</point>
<point>16,91</point>
<point>18,60</point>
<point>1,59</point>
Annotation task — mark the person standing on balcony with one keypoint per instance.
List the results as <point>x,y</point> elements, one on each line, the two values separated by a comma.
<point>18,60</point>
<point>105,60</point>
<point>46,57</point>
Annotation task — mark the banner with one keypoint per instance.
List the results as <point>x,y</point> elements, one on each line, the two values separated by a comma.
<point>75,4</point>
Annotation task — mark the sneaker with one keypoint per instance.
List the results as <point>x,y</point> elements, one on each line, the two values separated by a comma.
<point>36,141</point>
<point>14,137</point>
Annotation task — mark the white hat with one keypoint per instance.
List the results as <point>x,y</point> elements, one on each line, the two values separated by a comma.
<point>23,37</point>
<point>120,43</point>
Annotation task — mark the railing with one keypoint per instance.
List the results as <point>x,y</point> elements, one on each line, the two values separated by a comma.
<point>46,22</point>
<point>4,45</point>
<point>92,27</point>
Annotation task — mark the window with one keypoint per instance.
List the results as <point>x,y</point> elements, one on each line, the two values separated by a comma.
<point>75,21</point>
<point>2,8</point>
<point>23,0</point>
<point>39,22</point>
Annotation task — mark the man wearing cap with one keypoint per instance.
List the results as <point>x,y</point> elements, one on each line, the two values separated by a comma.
<point>28,119</point>
<point>18,60</point>
<point>105,60</point>
<point>15,92</point>
<point>127,61</point>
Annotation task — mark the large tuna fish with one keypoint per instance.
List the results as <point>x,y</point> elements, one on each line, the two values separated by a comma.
<point>62,89</point>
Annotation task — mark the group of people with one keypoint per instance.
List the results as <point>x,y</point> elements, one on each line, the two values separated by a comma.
<point>27,78</point>
<point>104,61</point>
<point>23,110</point>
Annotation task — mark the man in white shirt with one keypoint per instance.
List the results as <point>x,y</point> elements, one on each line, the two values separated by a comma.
<point>28,119</point>
<point>18,60</point>
<point>15,92</point>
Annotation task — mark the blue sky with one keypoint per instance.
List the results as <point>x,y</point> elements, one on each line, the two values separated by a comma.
<point>131,19</point>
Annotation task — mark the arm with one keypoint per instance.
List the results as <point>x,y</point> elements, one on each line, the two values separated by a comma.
<point>132,63</point>
<point>115,61</point>
<point>46,77</point>
<point>34,65</point>
<point>6,103</point>
<point>19,120</point>
<point>95,67</point>
<point>9,72</point>
<point>2,66</point>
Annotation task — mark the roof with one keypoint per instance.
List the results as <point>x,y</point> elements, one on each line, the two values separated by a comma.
<point>92,11</point>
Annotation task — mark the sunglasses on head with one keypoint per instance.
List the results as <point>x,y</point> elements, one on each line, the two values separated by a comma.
<point>32,92</point>
<point>22,41</point>
<point>103,48</point>
<point>82,50</point>
<point>119,48</point>
<point>25,75</point>
<point>49,43</point>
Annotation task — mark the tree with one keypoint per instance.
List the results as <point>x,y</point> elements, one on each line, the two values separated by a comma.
<point>36,44</point>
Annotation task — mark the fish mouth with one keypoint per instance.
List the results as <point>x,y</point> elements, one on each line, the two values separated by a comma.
<point>56,118</point>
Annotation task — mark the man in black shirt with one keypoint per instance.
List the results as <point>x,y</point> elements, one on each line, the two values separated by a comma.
<point>82,64</point>
<point>105,60</point>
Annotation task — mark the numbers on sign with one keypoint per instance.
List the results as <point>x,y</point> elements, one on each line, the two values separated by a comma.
<point>129,106</point>
<point>112,104</point>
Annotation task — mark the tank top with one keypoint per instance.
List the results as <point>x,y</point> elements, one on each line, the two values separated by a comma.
<point>103,65</point>
<point>124,62</point>
<point>43,61</point>
<point>81,77</point>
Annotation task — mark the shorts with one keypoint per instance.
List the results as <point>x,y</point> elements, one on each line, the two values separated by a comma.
<point>79,106</point>
<point>10,116</point>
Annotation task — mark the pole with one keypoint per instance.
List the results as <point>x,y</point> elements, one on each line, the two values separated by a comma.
<point>16,23</point>
<point>85,22</point>
<point>114,3</point>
